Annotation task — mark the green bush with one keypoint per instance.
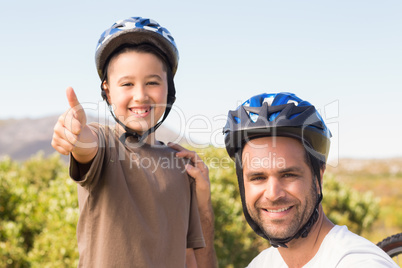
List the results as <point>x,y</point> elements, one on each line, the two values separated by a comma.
<point>345,206</point>
<point>39,212</point>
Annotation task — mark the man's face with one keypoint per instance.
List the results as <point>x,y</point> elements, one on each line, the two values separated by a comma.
<point>280,190</point>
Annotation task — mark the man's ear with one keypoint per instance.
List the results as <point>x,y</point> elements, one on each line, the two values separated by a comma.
<point>322,171</point>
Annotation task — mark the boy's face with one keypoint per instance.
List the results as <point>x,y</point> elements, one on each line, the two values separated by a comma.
<point>279,187</point>
<point>137,89</point>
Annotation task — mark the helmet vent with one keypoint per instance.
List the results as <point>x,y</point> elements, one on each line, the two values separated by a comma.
<point>293,101</point>
<point>120,25</point>
<point>253,117</point>
<point>269,100</point>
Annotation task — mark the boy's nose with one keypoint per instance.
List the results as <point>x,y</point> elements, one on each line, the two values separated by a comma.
<point>140,94</point>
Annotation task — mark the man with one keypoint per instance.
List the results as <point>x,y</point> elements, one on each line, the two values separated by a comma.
<point>280,145</point>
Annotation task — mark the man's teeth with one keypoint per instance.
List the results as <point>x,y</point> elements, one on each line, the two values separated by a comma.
<point>278,210</point>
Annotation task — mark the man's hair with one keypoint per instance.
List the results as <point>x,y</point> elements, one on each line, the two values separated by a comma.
<point>315,166</point>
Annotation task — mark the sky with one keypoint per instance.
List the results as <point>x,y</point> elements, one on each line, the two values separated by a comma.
<point>345,57</point>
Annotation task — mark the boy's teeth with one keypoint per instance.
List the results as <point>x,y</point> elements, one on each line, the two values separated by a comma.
<point>138,111</point>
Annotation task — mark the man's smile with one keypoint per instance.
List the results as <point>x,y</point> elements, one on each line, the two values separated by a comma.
<point>276,213</point>
<point>277,210</point>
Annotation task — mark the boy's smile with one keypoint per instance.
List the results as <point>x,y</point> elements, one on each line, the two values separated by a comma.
<point>137,89</point>
<point>140,111</point>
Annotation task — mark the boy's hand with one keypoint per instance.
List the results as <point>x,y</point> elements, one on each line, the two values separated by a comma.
<point>71,134</point>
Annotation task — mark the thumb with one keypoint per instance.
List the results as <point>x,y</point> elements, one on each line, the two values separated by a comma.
<point>78,111</point>
<point>72,99</point>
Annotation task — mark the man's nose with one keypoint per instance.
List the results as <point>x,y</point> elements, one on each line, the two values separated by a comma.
<point>274,189</point>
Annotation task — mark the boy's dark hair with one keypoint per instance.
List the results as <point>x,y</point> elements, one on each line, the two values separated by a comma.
<point>141,48</point>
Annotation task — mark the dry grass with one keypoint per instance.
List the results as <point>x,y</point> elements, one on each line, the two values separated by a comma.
<point>383,177</point>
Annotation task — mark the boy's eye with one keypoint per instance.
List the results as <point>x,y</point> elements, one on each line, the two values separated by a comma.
<point>152,83</point>
<point>127,84</point>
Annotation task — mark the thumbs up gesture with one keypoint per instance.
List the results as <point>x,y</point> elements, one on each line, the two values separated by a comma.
<point>71,133</point>
<point>79,119</point>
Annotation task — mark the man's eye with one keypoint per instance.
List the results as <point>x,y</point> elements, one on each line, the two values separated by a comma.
<point>257,178</point>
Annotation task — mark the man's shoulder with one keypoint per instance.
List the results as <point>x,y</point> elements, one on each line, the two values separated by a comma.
<point>344,248</point>
<point>268,257</point>
<point>340,237</point>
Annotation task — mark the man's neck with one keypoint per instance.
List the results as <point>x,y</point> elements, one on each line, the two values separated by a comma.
<point>300,251</point>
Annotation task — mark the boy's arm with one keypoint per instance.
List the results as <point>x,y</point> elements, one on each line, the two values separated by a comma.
<point>71,133</point>
<point>205,257</point>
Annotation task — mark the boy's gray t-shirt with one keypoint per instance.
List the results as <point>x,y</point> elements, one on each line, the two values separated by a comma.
<point>138,206</point>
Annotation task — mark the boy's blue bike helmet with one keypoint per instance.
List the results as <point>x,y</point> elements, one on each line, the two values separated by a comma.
<point>135,30</point>
<point>278,115</point>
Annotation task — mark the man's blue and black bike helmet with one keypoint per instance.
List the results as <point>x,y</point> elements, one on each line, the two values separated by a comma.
<point>280,115</point>
<point>138,31</point>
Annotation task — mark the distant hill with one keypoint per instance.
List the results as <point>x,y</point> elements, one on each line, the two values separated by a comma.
<point>22,138</point>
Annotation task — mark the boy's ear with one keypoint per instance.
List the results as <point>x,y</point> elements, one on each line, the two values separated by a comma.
<point>105,91</point>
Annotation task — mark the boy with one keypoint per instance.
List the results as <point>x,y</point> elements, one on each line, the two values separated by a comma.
<point>134,211</point>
